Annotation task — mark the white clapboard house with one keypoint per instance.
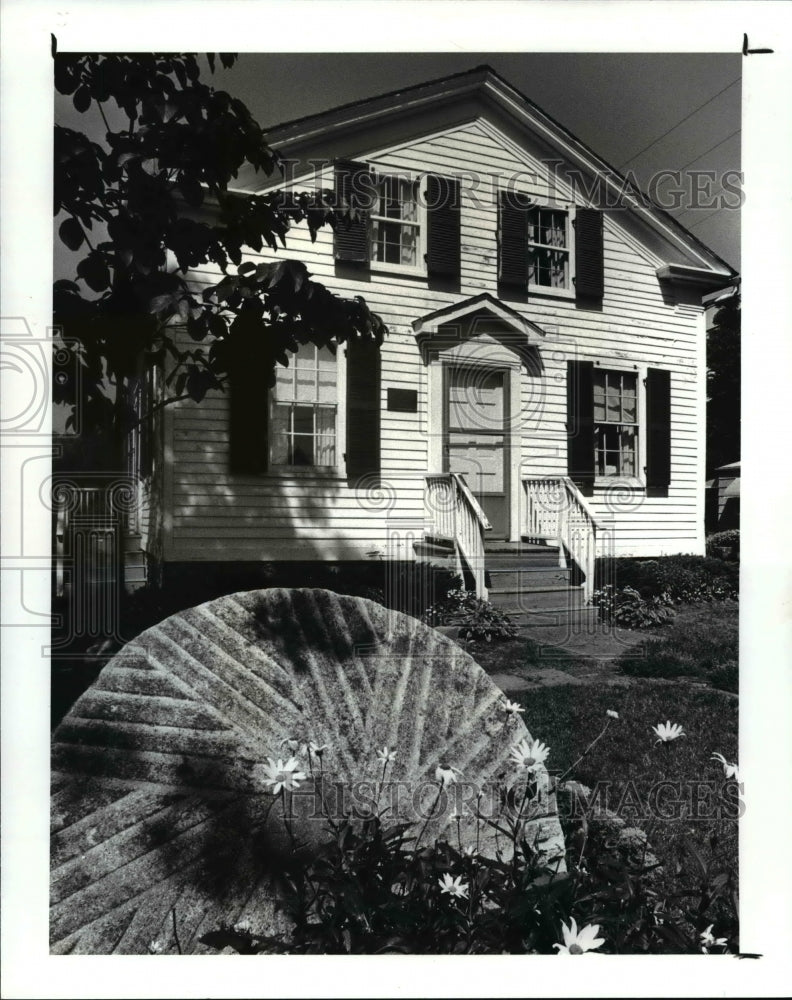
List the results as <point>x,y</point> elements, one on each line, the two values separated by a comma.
<point>541,389</point>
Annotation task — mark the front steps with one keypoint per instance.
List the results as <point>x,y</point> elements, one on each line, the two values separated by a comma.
<point>532,583</point>
<point>529,581</point>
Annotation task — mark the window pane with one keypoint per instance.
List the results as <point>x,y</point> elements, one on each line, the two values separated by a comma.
<point>628,451</point>
<point>614,408</point>
<point>303,420</point>
<point>599,404</point>
<point>284,378</point>
<point>305,356</point>
<point>629,409</point>
<point>279,434</point>
<point>409,245</point>
<point>302,450</point>
<point>325,430</point>
<point>306,385</point>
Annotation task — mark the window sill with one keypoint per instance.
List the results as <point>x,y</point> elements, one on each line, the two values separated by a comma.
<point>551,293</point>
<point>377,266</point>
<point>620,482</point>
<point>327,472</point>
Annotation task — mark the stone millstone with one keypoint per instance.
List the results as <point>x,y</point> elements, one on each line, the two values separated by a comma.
<point>162,825</point>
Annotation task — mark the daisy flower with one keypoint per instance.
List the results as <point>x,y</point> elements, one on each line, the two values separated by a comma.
<point>708,940</point>
<point>446,774</point>
<point>512,707</point>
<point>530,754</point>
<point>453,886</point>
<point>730,770</point>
<point>316,749</point>
<point>386,756</point>
<point>612,714</point>
<point>577,942</point>
<point>667,731</point>
<point>283,777</point>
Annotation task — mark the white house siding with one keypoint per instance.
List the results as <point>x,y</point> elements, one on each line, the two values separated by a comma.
<point>218,516</point>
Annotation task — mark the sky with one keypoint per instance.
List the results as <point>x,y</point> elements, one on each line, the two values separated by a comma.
<point>644,112</point>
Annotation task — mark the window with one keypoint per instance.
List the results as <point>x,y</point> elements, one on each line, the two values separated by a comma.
<point>615,423</point>
<point>395,224</point>
<point>304,409</point>
<point>548,248</point>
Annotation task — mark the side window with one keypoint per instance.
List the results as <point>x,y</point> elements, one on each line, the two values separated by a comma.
<point>395,223</point>
<point>303,425</point>
<point>549,264</point>
<point>615,423</point>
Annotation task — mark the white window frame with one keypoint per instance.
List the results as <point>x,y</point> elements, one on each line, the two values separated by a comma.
<point>638,480</point>
<point>569,209</point>
<point>419,183</point>
<point>297,471</point>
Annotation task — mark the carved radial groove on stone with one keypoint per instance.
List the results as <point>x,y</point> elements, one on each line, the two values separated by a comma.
<point>158,799</point>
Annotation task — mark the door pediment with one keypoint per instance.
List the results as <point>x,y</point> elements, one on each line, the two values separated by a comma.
<point>479,325</point>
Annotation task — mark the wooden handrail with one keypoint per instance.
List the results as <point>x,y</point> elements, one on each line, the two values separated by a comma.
<point>471,500</point>
<point>465,524</point>
<point>570,485</point>
<point>572,522</point>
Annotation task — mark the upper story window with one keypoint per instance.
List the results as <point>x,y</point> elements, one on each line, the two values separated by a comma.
<point>615,423</point>
<point>399,222</point>
<point>551,249</point>
<point>303,425</point>
<point>395,222</point>
<point>549,263</point>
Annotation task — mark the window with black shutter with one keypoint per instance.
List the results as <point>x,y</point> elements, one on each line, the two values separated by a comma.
<point>589,263</point>
<point>658,429</point>
<point>363,408</point>
<point>442,227</point>
<point>580,422</point>
<point>539,252</point>
<point>352,237</point>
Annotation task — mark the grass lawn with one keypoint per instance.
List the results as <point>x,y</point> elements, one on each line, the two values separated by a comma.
<point>678,777</point>
<point>701,642</point>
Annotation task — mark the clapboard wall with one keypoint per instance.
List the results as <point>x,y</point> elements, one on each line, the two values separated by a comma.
<point>211,514</point>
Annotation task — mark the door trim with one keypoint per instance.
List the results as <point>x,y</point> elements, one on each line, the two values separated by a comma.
<point>512,438</point>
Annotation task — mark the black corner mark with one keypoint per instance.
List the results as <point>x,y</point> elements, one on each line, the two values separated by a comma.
<point>749,954</point>
<point>753,52</point>
<point>53,45</point>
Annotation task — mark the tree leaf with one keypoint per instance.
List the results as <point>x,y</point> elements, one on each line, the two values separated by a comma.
<point>94,271</point>
<point>82,99</point>
<point>71,232</point>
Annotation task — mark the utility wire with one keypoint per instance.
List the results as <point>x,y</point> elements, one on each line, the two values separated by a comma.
<point>680,122</point>
<point>691,162</point>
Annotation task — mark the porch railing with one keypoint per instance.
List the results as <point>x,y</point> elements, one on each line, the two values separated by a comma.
<point>457,517</point>
<point>556,510</point>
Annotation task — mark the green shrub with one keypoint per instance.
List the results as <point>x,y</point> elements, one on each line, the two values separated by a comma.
<point>627,608</point>
<point>478,619</point>
<point>683,579</point>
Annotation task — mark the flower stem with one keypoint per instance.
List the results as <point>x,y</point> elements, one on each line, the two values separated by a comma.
<point>431,813</point>
<point>588,748</point>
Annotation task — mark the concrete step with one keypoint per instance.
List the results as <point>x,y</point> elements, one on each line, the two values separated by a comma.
<point>562,598</point>
<point>584,617</point>
<point>526,577</point>
<point>530,560</point>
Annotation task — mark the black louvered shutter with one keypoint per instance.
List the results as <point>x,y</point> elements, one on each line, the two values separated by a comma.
<point>589,267</point>
<point>658,430</point>
<point>580,422</point>
<point>512,242</point>
<point>363,408</point>
<point>249,399</point>
<point>442,241</point>
<point>353,188</point>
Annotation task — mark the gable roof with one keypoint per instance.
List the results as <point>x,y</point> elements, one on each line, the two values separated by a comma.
<point>487,86</point>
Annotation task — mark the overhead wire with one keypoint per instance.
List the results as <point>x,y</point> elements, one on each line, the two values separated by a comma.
<point>680,122</point>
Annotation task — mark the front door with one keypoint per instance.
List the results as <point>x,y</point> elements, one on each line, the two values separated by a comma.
<point>475,437</point>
